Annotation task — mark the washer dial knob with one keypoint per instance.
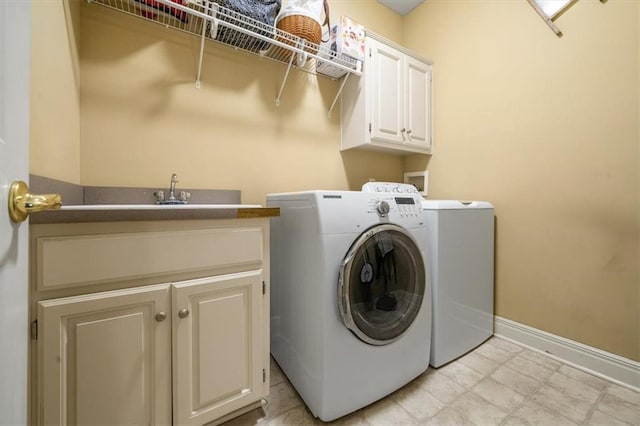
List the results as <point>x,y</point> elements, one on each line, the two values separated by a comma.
<point>382,207</point>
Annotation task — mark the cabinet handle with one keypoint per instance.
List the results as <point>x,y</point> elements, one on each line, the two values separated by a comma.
<point>183,313</point>
<point>161,316</point>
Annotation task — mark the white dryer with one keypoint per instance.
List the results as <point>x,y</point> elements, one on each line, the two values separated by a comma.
<point>350,296</point>
<point>461,247</point>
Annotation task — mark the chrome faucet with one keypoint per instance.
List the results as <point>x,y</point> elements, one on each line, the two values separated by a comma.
<point>172,187</point>
<point>182,198</point>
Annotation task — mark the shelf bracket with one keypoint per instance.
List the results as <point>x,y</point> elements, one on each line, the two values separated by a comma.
<point>286,74</point>
<point>214,30</point>
<point>198,75</point>
<point>344,80</point>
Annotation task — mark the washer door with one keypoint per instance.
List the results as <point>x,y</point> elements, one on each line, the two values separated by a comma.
<point>381,284</point>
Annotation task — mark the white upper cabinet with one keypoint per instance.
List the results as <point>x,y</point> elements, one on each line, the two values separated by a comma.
<point>389,108</point>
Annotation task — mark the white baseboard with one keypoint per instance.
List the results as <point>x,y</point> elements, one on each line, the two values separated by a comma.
<point>615,368</point>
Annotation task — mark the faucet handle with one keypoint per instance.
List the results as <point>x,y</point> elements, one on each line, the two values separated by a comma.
<point>159,196</point>
<point>184,196</point>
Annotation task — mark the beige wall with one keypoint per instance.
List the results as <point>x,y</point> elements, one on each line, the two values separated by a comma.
<point>54,93</point>
<point>142,117</point>
<point>547,129</point>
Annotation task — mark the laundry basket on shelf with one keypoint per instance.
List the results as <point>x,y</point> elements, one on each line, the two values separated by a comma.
<point>303,20</point>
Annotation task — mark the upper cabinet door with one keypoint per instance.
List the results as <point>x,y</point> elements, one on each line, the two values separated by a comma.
<point>389,108</point>
<point>387,86</point>
<point>418,109</point>
<point>105,358</point>
<point>217,346</point>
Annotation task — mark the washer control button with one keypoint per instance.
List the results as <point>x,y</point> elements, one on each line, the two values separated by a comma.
<point>382,207</point>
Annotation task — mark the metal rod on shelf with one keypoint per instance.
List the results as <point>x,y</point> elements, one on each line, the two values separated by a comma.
<point>213,32</point>
<point>301,57</point>
<point>344,80</point>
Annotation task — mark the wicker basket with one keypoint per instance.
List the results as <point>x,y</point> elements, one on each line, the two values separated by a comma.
<point>304,27</point>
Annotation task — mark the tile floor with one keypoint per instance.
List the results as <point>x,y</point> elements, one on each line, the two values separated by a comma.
<point>499,383</point>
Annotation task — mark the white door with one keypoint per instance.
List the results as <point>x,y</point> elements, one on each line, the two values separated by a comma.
<point>15,33</point>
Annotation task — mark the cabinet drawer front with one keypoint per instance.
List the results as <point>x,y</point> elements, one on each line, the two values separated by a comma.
<point>96,259</point>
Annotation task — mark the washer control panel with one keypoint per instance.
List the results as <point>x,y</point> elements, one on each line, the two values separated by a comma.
<point>406,205</point>
<point>401,198</point>
<point>390,187</point>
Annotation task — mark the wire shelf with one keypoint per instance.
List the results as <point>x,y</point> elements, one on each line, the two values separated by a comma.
<point>208,20</point>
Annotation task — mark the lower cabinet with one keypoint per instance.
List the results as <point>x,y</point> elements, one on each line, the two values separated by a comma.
<point>186,352</point>
<point>217,332</point>
<point>105,358</point>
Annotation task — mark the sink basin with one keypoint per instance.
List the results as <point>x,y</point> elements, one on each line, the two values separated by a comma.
<point>156,206</point>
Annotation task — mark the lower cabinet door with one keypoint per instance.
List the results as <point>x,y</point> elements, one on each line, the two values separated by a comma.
<point>217,346</point>
<point>104,358</point>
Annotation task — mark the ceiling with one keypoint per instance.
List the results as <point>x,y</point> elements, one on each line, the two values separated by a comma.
<point>402,7</point>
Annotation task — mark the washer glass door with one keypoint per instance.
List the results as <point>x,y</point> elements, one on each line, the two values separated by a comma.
<point>381,284</point>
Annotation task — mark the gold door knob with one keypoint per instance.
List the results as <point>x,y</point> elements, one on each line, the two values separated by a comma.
<point>21,202</point>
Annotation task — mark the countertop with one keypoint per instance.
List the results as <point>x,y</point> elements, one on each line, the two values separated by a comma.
<point>143,212</point>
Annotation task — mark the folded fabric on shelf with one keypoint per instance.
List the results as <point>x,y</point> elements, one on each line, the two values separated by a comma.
<point>179,14</point>
<point>256,16</point>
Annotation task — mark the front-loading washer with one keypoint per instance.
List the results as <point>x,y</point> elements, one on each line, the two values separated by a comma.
<point>461,261</point>
<point>350,296</point>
